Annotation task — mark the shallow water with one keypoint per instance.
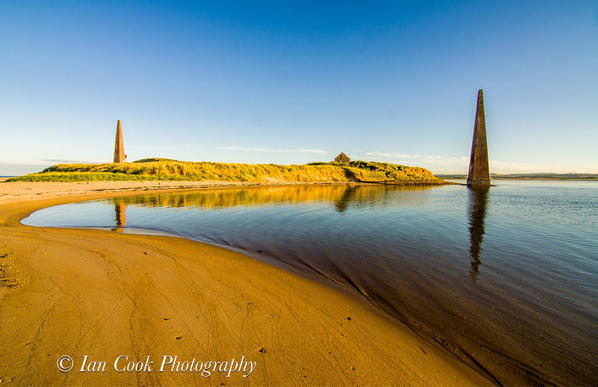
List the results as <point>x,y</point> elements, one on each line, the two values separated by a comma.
<point>503,278</point>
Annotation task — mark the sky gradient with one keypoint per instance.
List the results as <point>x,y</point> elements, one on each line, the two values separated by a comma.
<point>295,82</point>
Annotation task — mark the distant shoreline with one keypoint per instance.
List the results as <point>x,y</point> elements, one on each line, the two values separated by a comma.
<point>533,176</point>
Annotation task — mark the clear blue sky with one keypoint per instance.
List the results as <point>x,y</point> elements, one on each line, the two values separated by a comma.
<point>294,82</point>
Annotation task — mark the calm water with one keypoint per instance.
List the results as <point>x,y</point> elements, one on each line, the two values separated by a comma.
<point>506,279</point>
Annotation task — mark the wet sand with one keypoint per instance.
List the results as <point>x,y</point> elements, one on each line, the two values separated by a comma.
<point>105,294</point>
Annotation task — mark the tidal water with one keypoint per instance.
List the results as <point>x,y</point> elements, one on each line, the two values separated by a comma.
<point>506,279</point>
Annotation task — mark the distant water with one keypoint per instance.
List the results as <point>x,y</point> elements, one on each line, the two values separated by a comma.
<point>506,278</point>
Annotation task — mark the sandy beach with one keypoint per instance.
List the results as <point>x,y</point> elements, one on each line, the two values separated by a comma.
<point>104,294</point>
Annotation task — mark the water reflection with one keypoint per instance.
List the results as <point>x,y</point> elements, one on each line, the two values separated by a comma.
<point>341,196</point>
<point>478,198</point>
<point>121,220</point>
<point>342,203</point>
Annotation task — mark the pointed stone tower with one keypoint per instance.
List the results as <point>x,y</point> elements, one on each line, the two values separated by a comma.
<point>119,148</point>
<point>479,173</point>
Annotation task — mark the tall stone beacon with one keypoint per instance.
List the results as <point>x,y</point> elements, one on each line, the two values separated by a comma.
<point>119,148</point>
<point>479,172</point>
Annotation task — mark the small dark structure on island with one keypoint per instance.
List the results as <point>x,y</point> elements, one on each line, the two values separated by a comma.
<point>119,147</point>
<point>479,174</point>
<point>342,158</point>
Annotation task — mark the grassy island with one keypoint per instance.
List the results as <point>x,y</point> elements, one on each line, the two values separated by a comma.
<point>166,169</point>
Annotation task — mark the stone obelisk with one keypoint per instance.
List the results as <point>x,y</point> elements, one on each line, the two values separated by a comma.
<point>479,174</point>
<point>119,148</point>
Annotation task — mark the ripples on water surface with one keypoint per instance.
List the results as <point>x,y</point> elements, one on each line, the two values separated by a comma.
<point>503,278</point>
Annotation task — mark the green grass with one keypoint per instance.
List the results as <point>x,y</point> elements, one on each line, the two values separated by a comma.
<point>166,169</point>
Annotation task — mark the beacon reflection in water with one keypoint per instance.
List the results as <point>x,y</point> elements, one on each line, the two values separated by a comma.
<point>478,199</point>
<point>121,219</point>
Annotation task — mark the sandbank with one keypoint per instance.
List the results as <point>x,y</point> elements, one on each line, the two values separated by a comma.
<point>103,294</point>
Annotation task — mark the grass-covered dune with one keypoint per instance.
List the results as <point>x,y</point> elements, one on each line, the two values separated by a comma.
<point>165,169</point>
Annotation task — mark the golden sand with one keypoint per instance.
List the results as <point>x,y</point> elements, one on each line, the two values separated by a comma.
<point>104,294</point>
